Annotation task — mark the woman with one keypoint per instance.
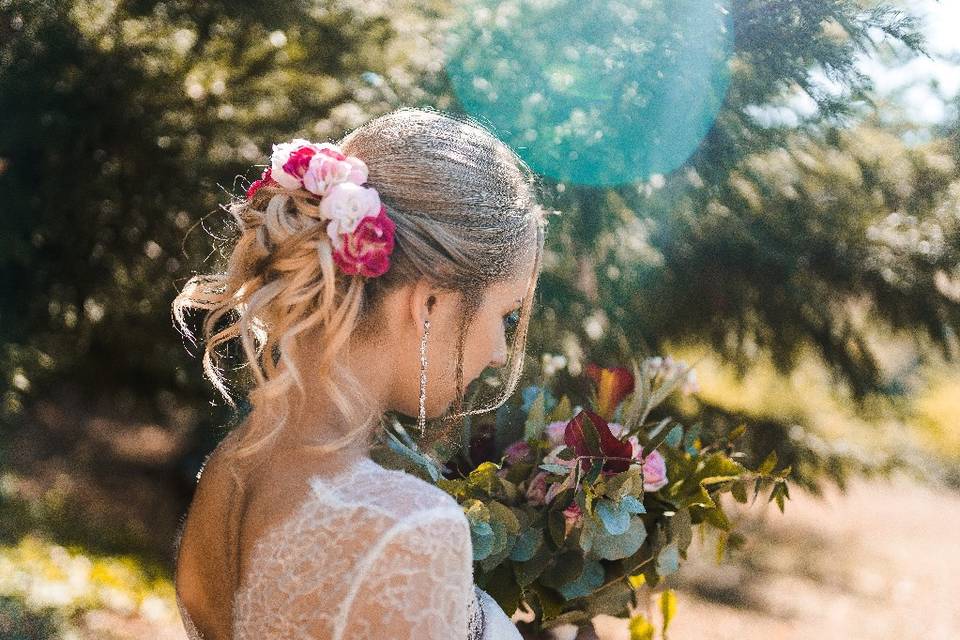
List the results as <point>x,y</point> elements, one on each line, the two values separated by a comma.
<point>380,274</point>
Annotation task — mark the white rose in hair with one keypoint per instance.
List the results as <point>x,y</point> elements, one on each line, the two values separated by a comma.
<point>346,204</point>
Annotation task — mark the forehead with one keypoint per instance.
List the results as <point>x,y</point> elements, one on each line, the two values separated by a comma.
<point>510,291</point>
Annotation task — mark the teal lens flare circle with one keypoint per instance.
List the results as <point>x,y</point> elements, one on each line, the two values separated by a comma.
<point>593,93</point>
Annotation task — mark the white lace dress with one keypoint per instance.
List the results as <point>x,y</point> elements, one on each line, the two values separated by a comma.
<point>309,579</point>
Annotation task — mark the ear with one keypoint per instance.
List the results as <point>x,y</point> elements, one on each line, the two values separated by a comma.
<point>422,303</point>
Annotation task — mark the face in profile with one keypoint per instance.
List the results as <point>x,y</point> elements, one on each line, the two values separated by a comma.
<point>485,344</point>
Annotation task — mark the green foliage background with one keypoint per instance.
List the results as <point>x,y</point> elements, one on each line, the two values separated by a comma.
<point>124,124</point>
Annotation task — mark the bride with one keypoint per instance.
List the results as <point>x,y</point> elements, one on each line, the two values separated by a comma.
<point>379,274</point>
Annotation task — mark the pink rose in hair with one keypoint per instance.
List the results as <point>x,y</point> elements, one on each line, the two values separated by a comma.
<point>573,516</point>
<point>328,167</point>
<point>654,471</point>
<point>367,250</point>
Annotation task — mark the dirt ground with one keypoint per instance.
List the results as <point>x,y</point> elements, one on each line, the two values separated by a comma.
<point>880,562</point>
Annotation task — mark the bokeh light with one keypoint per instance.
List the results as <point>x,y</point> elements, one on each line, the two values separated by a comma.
<point>594,93</point>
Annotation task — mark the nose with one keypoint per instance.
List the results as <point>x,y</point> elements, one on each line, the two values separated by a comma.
<point>498,361</point>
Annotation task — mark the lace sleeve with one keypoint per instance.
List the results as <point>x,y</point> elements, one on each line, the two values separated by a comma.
<point>416,582</point>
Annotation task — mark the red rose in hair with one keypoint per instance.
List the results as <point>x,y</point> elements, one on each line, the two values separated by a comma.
<point>298,161</point>
<point>255,186</point>
<point>367,249</point>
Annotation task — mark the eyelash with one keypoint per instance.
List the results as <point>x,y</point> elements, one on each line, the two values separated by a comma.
<point>510,320</point>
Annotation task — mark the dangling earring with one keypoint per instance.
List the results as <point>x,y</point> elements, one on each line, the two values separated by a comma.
<point>422,418</point>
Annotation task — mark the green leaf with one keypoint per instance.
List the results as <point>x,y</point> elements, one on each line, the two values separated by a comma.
<point>739,491</point>
<point>565,568</point>
<point>591,578</point>
<point>536,421</point>
<point>674,436</point>
<point>527,572</point>
<point>557,525</point>
<point>691,435</point>
<point>736,433</point>
<point>566,454</point>
<point>632,504</point>
<point>482,537</point>
<point>681,529</point>
<point>562,411</point>
<point>527,544</point>
<point>485,477</point>
<point>550,603</point>
<point>767,466</point>
<point>409,452</point>
<point>552,467</point>
<point>656,436</point>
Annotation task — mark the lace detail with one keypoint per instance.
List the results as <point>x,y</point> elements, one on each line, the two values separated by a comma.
<point>476,621</point>
<point>371,553</point>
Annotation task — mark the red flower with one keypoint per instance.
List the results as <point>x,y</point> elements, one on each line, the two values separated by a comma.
<point>255,186</point>
<point>367,249</point>
<point>296,164</point>
<point>575,438</point>
<point>613,385</point>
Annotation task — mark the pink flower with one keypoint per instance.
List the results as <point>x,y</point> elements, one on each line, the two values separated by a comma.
<point>328,166</point>
<point>654,467</point>
<point>517,451</point>
<point>557,487</point>
<point>537,491</point>
<point>654,471</point>
<point>367,250</point>
<point>554,432</point>
<point>573,516</point>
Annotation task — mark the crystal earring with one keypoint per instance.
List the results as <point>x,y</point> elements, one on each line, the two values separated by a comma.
<point>422,418</point>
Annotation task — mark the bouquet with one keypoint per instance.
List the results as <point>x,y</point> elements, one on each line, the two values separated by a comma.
<point>592,504</point>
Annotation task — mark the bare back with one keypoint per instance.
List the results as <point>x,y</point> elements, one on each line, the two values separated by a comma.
<point>223,525</point>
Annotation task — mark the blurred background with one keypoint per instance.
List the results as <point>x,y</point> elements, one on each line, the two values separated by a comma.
<point>770,186</point>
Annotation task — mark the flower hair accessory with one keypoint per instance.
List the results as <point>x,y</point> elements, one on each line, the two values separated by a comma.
<point>358,226</point>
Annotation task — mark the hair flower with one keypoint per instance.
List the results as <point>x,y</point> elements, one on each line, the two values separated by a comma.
<point>360,231</point>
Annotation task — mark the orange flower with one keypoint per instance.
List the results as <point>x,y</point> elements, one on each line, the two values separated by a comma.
<point>613,385</point>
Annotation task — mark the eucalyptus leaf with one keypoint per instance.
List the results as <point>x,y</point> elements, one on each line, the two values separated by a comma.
<point>615,518</point>
<point>632,504</point>
<point>616,547</point>
<point>668,560</point>
<point>591,578</point>
<point>526,545</point>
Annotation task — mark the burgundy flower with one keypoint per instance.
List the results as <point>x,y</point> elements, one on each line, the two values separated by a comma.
<point>575,438</point>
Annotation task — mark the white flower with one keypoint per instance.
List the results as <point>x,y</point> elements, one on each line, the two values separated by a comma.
<point>345,205</point>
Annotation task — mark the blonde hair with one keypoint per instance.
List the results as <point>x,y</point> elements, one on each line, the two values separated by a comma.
<point>466,215</point>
